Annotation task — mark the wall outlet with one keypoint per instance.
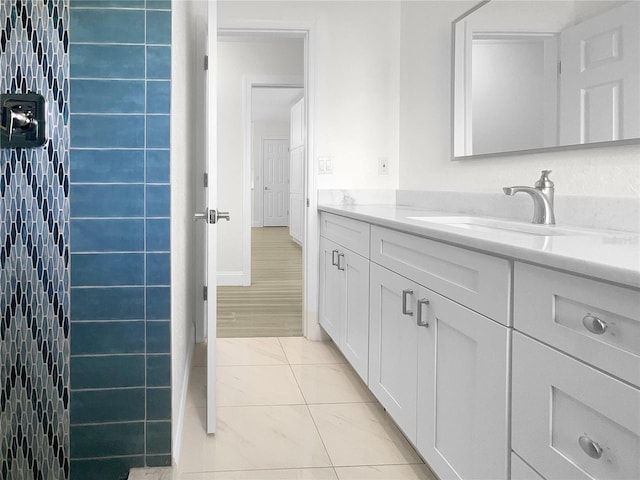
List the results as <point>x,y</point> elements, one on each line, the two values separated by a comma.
<point>383,166</point>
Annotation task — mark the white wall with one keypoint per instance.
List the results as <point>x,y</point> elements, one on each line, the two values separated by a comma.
<point>183,100</point>
<point>261,130</point>
<point>356,83</point>
<point>425,132</point>
<point>237,59</point>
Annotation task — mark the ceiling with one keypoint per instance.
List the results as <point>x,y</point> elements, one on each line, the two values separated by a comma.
<point>272,104</point>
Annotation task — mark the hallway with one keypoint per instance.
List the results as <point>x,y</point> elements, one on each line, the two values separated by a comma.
<point>272,305</point>
<point>288,409</point>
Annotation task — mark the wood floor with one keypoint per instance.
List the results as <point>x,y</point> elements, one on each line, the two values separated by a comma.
<point>272,305</point>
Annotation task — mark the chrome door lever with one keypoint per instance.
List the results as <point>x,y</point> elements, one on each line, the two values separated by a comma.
<point>202,215</point>
<point>216,216</point>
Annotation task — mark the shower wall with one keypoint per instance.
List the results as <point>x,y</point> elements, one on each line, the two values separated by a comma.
<point>120,56</point>
<point>34,250</point>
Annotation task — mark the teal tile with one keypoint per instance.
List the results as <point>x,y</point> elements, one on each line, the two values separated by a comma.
<point>107,235</point>
<point>119,303</point>
<point>158,337</point>
<point>158,235</point>
<point>158,460</point>
<point>107,96</point>
<point>103,406</point>
<point>107,166</point>
<point>110,371</point>
<point>99,338</point>
<point>159,404</point>
<point>158,269</point>
<point>158,201</point>
<point>159,97</point>
<point>109,201</point>
<point>114,468</point>
<point>114,61</point>
<point>107,269</point>
<point>159,63</point>
<point>158,28</point>
<point>158,437</point>
<point>158,131</point>
<point>90,441</point>
<point>158,166</point>
<point>158,303</point>
<point>158,370</point>
<point>106,26</point>
<point>107,131</point>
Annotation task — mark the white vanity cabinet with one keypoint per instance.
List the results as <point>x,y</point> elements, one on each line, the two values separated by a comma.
<point>439,368</point>
<point>576,366</point>
<point>344,289</point>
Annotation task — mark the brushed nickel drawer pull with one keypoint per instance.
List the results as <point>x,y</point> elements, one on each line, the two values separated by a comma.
<point>423,303</point>
<point>594,324</point>
<point>405,310</point>
<point>334,257</point>
<point>590,447</point>
<point>340,261</point>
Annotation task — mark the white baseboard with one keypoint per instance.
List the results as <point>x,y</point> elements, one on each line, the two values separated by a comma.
<point>256,224</point>
<point>233,279</point>
<point>177,440</point>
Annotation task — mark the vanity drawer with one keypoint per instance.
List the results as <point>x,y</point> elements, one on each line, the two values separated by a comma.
<point>478,281</point>
<point>593,321</point>
<point>569,420</point>
<point>349,233</point>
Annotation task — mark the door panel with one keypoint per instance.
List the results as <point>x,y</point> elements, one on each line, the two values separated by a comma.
<point>275,157</point>
<point>600,78</point>
<point>393,348</point>
<point>331,285</point>
<point>355,327</point>
<point>462,425</point>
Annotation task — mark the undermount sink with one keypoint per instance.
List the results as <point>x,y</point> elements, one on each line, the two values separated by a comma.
<point>490,225</point>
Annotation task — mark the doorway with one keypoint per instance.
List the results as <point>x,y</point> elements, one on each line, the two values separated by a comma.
<point>260,274</point>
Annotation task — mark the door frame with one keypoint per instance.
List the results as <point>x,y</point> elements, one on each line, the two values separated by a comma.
<point>310,248</point>
<point>260,187</point>
<point>250,81</point>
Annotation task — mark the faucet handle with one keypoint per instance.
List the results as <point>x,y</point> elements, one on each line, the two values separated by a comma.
<point>544,181</point>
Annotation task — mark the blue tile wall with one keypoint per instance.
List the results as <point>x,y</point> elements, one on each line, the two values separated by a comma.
<point>120,80</point>
<point>34,250</point>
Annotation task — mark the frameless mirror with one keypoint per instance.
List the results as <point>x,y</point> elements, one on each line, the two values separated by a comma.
<point>532,75</point>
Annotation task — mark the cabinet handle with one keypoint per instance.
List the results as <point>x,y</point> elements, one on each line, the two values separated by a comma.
<point>406,292</point>
<point>594,324</point>
<point>590,447</point>
<point>340,259</point>
<point>423,303</point>
<point>334,260</point>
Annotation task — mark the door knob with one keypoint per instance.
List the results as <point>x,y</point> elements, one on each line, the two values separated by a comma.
<point>219,216</point>
<point>202,215</point>
<point>266,188</point>
<point>211,216</point>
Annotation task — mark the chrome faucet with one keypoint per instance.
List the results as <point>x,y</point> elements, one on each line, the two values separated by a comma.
<point>542,196</point>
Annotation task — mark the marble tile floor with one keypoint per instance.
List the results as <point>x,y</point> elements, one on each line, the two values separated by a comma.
<point>288,409</point>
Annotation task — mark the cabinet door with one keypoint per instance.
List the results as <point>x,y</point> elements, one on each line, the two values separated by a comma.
<point>571,421</point>
<point>462,392</point>
<point>354,341</point>
<point>393,344</point>
<point>331,306</point>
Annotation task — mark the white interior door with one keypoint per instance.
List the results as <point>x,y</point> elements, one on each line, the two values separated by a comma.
<point>275,160</point>
<point>206,201</point>
<point>600,78</point>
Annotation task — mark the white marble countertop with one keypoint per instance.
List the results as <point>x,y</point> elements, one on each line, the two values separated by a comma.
<point>608,255</point>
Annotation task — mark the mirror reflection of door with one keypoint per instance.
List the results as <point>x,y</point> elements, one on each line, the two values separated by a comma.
<point>600,76</point>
